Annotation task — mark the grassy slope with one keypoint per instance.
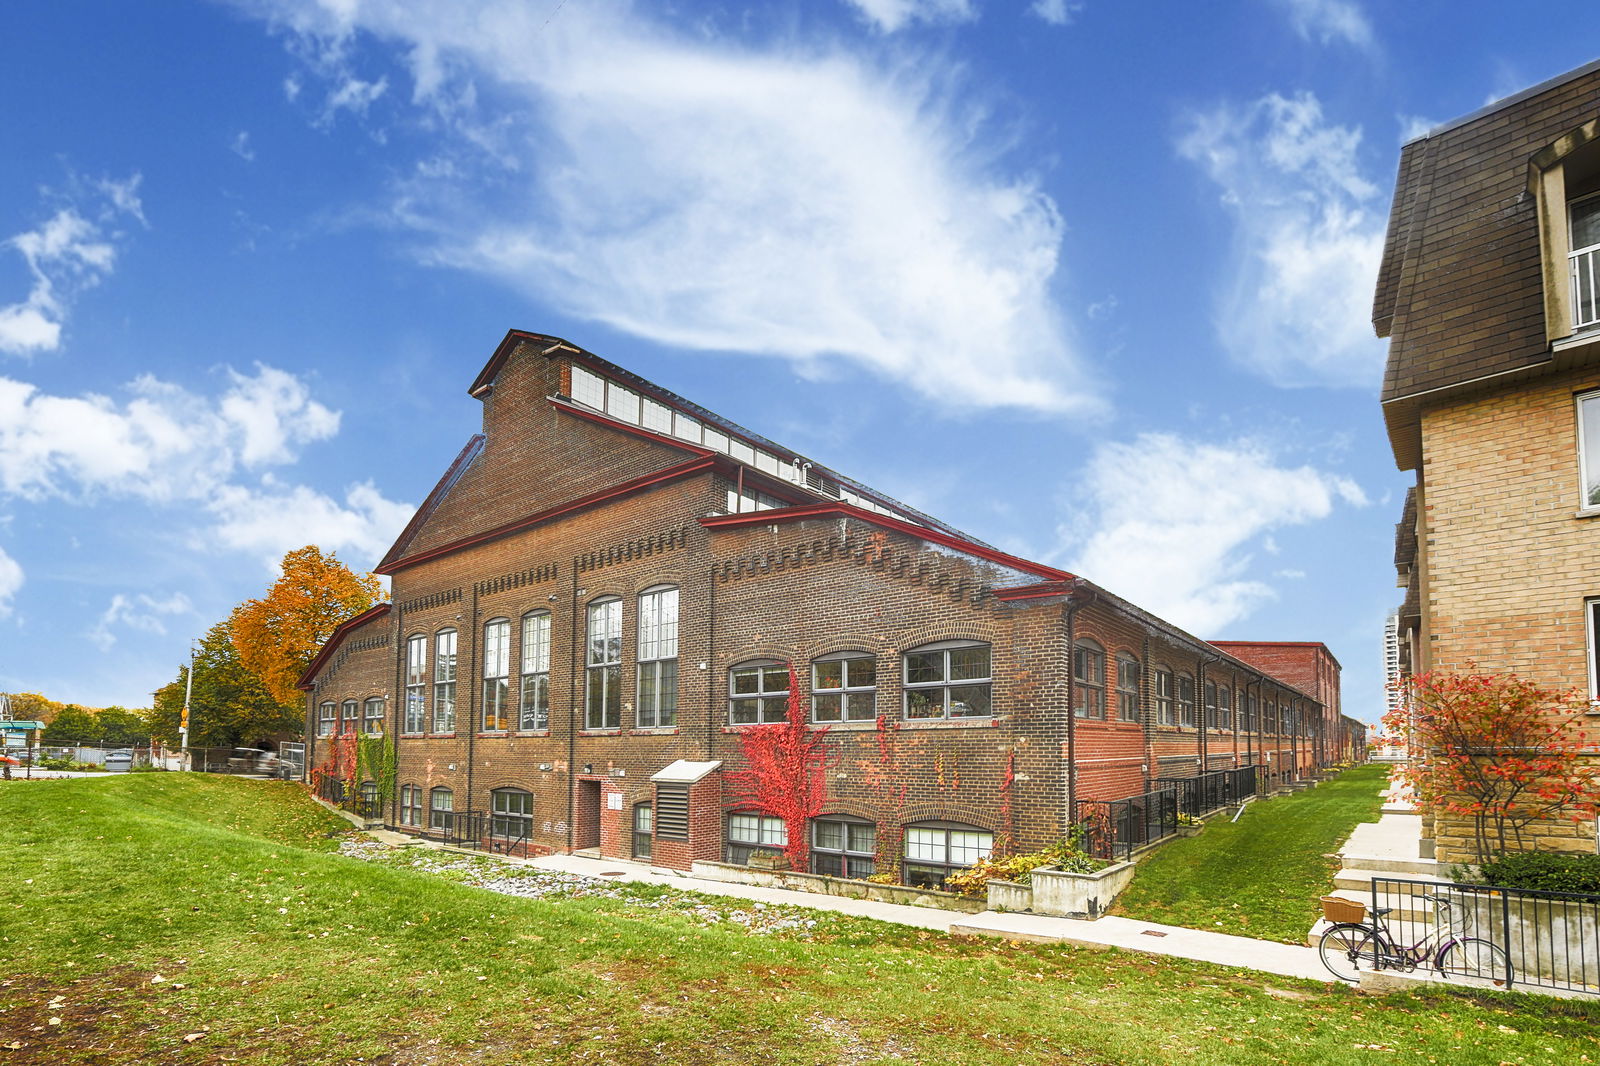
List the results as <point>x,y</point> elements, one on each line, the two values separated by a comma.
<point>276,951</point>
<point>1262,875</point>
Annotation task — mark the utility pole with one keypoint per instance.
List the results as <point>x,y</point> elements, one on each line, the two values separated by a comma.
<point>183,723</point>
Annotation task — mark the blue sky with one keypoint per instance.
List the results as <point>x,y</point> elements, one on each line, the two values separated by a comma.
<point>1089,280</point>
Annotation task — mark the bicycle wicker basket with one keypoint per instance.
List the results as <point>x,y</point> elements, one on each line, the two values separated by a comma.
<point>1339,909</point>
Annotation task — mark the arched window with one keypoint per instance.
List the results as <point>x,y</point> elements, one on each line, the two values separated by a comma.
<point>643,830</point>
<point>658,657</point>
<point>758,691</point>
<point>367,804</point>
<point>348,717</point>
<point>444,681</point>
<point>511,814</point>
<point>411,805</point>
<point>1127,688</point>
<point>949,679</point>
<point>1185,700</point>
<point>1089,679</point>
<point>441,804</point>
<point>535,713</point>
<point>416,683</point>
<point>844,687</point>
<point>1165,714</point>
<point>602,683</point>
<point>374,714</point>
<point>935,850</point>
<point>327,718</point>
<point>842,846</point>
<point>497,674</point>
<point>754,834</point>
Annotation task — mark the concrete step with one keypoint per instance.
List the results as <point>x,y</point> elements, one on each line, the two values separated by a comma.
<point>1360,877</point>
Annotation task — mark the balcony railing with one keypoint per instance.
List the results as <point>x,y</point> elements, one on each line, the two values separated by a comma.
<point>1585,287</point>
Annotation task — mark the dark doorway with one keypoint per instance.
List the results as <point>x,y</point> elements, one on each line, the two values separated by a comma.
<point>586,819</point>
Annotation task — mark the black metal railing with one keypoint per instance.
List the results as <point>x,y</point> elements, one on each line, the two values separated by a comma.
<point>462,829</point>
<point>367,805</point>
<point>1502,935</point>
<point>1115,828</point>
<point>510,841</point>
<point>331,790</point>
<point>1207,792</point>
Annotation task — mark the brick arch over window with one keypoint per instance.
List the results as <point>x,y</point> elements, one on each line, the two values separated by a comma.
<point>659,579</point>
<point>992,634</point>
<point>845,640</point>
<point>947,812</point>
<point>751,652</point>
<point>851,808</point>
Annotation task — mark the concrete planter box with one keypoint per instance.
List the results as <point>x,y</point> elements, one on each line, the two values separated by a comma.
<point>1552,939</point>
<point>1079,895</point>
<point>1010,896</point>
<point>1189,830</point>
<point>836,886</point>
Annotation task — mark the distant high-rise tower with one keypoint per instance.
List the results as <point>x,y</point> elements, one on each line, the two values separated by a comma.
<point>1391,660</point>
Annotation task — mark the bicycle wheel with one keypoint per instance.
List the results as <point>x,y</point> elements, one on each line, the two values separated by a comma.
<point>1347,950</point>
<point>1475,957</point>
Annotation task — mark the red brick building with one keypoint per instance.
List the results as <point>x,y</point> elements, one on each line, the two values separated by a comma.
<point>1309,666</point>
<point>611,588</point>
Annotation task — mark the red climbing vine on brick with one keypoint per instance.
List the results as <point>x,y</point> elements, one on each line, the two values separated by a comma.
<point>338,764</point>
<point>785,774</point>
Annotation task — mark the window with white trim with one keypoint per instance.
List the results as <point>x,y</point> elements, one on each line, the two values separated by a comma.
<point>444,681</point>
<point>935,850</point>
<point>643,830</point>
<point>441,803</point>
<point>1225,708</point>
<point>602,682</point>
<point>373,712</point>
<point>843,847</point>
<point>1591,610</point>
<point>755,834</point>
<point>949,679</point>
<point>349,716</point>
<point>327,718</point>
<point>535,713</point>
<point>844,687</point>
<point>416,684</point>
<point>658,658</point>
<point>1589,448</point>
<point>1089,680</point>
<point>758,691</point>
<point>411,805</point>
<point>1163,698</point>
<point>1127,688</point>
<point>1209,696</point>
<point>1185,700</point>
<point>511,814</point>
<point>497,675</point>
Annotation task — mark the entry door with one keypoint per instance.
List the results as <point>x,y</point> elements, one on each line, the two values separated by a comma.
<point>586,821</point>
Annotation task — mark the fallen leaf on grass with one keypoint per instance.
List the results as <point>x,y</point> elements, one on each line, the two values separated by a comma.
<point>192,1037</point>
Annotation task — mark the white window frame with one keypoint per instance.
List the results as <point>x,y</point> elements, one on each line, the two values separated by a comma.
<point>1588,465</point>
<point>534,707</point>
<point>858,700</point>
<point>1128,695</point>
<point>372,723</point>
<point>1088,680</point>
<point>327,715</point>
<point>497,675</point>
<point>445,644</point>
<point>763,698</point>
<point>657,705</point>
<point>416,696</point>
<point>602,675</point>
<point>945,685</point>
<point>435,808</point>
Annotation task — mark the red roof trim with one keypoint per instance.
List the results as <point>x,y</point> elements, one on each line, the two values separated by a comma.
<point>697,465</point>
<point>336,638</point>
<point>845,510</point>
<point>441,489</point>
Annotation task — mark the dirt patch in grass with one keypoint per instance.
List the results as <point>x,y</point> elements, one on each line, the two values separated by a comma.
<point>109,1017</point>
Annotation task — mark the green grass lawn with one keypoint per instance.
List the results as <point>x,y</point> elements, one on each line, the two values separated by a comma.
<point>1262,875</point>
<point>188,919</point>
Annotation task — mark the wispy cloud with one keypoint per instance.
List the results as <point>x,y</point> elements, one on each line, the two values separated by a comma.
<point>11,579</point>
<point>1308,237</point>
<point>70,251</point>
<point>811,203</point>
<point>1057,12</point>
<point>141,612</point>
<point>165,445</point>
<point>1174,524</point>
<point>891,15</point>
<point>240,146</point>
<point>1329,21</point>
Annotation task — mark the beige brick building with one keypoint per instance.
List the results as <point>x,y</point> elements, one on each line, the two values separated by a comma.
<point>1488,292</point>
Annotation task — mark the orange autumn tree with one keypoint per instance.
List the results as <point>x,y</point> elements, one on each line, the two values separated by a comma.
<point>1497,749</point>
<point>277,635</point>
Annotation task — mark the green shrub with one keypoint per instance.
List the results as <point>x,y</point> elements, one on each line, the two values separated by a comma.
<point>1019,868</point>
<point>1545,871</point>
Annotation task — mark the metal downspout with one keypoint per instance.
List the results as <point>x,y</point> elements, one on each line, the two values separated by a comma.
<point>1072,715</point>
<point>574,707</point>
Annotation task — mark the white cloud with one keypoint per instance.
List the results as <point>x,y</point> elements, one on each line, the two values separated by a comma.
<point>69,252</point>
<point>801,202</point>
<point>1328,21</point>
<point>892,15</point>
<point>166,445</point>
<point>1057,12</point>
<point>11,579</point>
<point>142,613</point>
<point>240,146</point>
<point>1414,126</point>
<point>1309,234</point>
<point>1173,524</point>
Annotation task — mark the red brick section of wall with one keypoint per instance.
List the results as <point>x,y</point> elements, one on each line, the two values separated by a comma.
<point>785,590</point>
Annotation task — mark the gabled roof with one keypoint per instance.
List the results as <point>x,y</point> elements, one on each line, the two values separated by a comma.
<point>468,454</point>
<point>335,639</point>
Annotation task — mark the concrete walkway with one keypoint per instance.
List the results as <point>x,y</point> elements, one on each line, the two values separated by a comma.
<point>1234,951</point>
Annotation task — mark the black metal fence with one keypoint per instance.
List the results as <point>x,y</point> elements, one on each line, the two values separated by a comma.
<point>463,829</point>
<point>331,790</point>
<point>1502,935</point>
<point>1114,828</point>
<point>1207,792</point>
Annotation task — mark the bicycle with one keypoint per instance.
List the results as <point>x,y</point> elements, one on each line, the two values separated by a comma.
<point>1353,945</point>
